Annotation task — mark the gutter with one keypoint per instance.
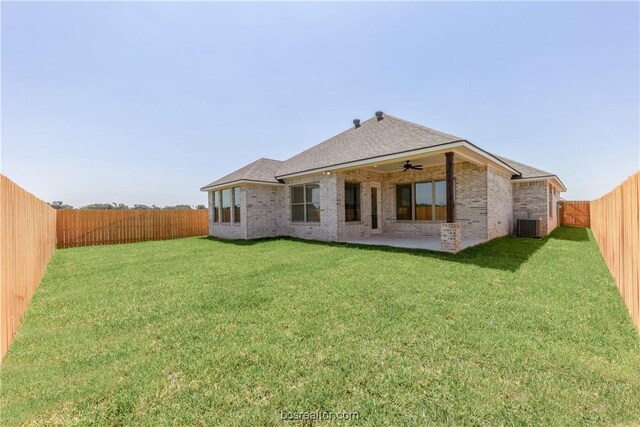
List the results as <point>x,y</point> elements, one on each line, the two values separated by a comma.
<point>238,181</point>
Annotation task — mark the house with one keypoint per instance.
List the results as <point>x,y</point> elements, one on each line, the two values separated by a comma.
<point>385,181</point>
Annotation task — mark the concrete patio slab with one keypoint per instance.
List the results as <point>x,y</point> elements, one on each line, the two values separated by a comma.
<point>409,242</point>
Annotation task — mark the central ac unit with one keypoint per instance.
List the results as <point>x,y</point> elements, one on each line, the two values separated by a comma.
<point>529,228</point>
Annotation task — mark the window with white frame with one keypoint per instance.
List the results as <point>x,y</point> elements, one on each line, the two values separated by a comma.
<point>305,203</point>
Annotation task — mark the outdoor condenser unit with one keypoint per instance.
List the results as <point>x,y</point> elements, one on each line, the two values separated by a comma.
<point>529,228</point>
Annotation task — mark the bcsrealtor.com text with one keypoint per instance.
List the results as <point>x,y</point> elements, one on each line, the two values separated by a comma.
<point>319,416</point>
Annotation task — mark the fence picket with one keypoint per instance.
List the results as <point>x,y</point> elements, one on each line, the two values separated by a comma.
<point>615,222</point>
<point>575,213</point>
<point>27,242</point>
<point>100,227</point>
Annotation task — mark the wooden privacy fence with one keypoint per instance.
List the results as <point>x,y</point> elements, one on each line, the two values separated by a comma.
<point>27,242</point>
<point>103,227</point>
<point>575,213</point>
<point>615,222</point>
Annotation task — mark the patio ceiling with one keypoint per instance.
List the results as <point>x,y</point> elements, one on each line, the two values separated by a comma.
<point>426,161</point>
<point>462,153</point>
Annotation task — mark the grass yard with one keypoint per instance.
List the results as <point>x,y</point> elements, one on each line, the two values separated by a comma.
<point>203,332</point>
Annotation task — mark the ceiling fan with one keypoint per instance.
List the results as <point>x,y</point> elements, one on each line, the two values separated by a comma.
<point>408,166</point>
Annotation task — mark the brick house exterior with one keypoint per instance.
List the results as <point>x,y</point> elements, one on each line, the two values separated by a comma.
<point>490,193</point>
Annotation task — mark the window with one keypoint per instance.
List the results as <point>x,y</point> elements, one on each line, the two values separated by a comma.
<point>550,201</point>
<point>430,201</point>
<point>216,206</point>
<point>351,201</point>
<point>313,203</point>
<point>226,205</point>
<point>305,203</point>
<point>297,204</point>
<point>236,204</point>
<point>440,207</point>
<point>403,201</point>
<point>424,201</point>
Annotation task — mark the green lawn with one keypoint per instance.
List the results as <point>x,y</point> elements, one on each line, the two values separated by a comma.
<point>198,331</point>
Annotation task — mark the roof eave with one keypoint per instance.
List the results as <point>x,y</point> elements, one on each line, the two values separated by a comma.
<point>237,182</point>
<point>400,154</point>
<point>492,158</point>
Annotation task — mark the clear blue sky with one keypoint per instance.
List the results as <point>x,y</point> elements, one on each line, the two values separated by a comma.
<point>147,102</point>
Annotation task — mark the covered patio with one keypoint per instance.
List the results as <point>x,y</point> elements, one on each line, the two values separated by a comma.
<point>408,203</point>
<point>432,243</point>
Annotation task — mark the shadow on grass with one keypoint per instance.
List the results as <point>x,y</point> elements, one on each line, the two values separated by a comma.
<point>506,253</point>
<point>253,242</point>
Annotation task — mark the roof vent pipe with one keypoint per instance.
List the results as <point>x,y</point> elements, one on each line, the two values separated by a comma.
<point>356,123</point>
<point>379,115</point>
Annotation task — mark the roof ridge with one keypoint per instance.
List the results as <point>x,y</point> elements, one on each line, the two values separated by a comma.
<point>324,140</point>
<point>419,126</point>
<point>373,118</point>
<point>372,138</point>
<point>262,170</point>
<point>253,165</point>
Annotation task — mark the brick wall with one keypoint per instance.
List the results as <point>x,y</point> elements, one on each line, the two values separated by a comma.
<point>553,215</point>
<point>470,200</point>
<point>407,228</point>
<point>263,207</point>
<point>450,238</point>
<point>326,229</point>
<point>499,204</point>
<point>229,230</point>
<point>362,228</point>
<point>488,205</point>
<point>530,202</point>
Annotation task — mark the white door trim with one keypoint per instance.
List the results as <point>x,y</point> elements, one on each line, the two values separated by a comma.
<point>378,218</point>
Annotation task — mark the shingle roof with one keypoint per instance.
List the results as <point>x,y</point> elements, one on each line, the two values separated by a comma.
<point>526,170</point>
<point>372,139</point>
<point>262,170</point>
<point>529,172</point>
